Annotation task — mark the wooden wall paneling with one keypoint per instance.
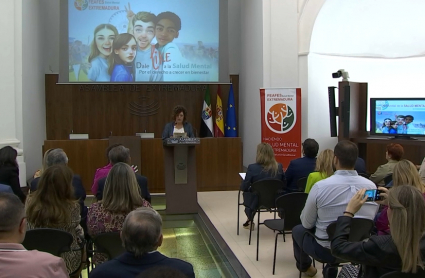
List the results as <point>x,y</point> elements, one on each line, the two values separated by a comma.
<point>85,156</point>
<point>59,120</point>
<point>99,109</point>
<point>152,165</point>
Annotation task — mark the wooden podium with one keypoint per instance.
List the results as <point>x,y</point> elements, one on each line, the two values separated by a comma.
<point>180,175</point>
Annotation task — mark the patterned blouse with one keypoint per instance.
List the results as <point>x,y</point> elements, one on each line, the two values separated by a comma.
<point>72,259</point>
<point>99,221</point>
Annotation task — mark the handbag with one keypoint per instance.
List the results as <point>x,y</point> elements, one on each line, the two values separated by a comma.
<point>349,271</point>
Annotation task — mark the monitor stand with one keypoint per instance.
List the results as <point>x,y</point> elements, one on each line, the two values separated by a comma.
<point>403,137</point>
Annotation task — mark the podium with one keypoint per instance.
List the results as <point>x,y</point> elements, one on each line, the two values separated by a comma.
<point>180,175</point>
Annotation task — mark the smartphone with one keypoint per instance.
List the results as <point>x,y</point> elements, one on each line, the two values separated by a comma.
<point>373,195</point>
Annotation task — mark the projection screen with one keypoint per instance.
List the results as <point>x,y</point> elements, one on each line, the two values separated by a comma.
<point>143,41</point>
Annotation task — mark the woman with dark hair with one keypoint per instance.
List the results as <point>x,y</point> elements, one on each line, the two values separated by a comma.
<point>266,167</point>
<point>387,127</point>
<point>53,205</point>
<point>403,250</point>
<point>179,124</point>
<point>393,155</point>
<point>121,61</point>
<point>9,171</point>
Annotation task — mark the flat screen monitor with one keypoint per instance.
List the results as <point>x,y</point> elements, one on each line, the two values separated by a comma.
<point>398,117</point>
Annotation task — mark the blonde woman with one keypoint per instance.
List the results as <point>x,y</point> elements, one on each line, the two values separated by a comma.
<point>403,250</point>
<point>121,196</point>
<point>266,167</point>
<point>324,169</point>
<point>53,205</point>
<point>404,173</point>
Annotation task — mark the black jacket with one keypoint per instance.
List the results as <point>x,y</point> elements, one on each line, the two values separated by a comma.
<point>9,175</point>
<point>378,255</point>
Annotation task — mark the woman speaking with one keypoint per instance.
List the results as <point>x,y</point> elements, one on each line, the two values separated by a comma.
<point>178,125</point>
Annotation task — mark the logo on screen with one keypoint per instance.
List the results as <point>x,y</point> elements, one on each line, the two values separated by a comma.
<point>81,4</point>
<point>280,118</point>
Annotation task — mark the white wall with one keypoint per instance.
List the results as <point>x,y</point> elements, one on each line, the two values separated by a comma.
<point>33,92</point>
<point>251,77</point>
<point>382,47</point>
<point>234,23</point>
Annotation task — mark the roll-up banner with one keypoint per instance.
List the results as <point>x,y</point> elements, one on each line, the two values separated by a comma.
<point>281,122</point>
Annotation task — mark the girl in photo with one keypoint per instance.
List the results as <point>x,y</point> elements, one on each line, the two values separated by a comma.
<point>387,127</point>
<point>121,66</point>
<point>101,49</point>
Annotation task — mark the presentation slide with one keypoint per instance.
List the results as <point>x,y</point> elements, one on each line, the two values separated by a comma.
<point>143,41</point>
<point>400,117</point>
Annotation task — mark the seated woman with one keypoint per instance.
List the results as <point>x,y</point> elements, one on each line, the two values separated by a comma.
<point>120,197</point>
<point>405,173</point>
<point>324,169</point>
<point>266,167</point>
<point>178,124</point>
<point>53,205</point>
<point>393,155</point>
<point>403,250</point>
<point>9,171</point>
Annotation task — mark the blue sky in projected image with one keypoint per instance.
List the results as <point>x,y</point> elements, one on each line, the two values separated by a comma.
<point>200,18</point>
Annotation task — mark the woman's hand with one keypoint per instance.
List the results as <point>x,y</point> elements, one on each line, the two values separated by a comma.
<point>384,196</point>
<point>357,201</point>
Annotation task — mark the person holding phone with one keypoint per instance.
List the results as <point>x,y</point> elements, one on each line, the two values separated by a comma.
<point>403,250</point>
<point>404,173</point>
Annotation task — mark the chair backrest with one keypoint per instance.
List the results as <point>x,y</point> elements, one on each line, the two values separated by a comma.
<point>360,229</point>
<point>364,175</point>
<point>267,192</point>
<point>301,183</point>
<point>290,207</point>
<point>52,241</point>
<point>109,243</point>
<point>388,179</point>
<point>399,274</point>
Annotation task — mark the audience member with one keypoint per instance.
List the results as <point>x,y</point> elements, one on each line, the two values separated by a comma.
<point>324,169</point>
<point>9,171</point>
<point>266,167</point>
<point>122,154</point>
<point>15,260</point>
<point>122,195</point>
<point>326,201</point>
<point>405,173</point>
<point>53,205</point>
<point>59,157</point>
<point>422,170</point>
<point>302,167</point>
<point>403,250</point>
<point>103,172</point>
<point>162,272</point>
<point>141,236</point>
<point>38,173</point>
<point>360,166</point>
<point>393,155</point>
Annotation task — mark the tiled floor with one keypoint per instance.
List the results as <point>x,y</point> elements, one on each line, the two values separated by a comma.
<point>221,209</point>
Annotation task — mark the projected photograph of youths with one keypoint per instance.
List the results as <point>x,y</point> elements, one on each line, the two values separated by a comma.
<point>400,117</point>
<point>143,41</point>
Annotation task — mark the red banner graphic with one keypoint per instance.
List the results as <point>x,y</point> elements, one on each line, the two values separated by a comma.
<point>281,122</point>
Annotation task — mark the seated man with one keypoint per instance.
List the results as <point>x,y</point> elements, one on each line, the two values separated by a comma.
<point>122,154</point>
<point>326,202</point>
<point>58,156</point>
<point>15,260</point>
<point>302,167</point>
<point>141,235</point>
